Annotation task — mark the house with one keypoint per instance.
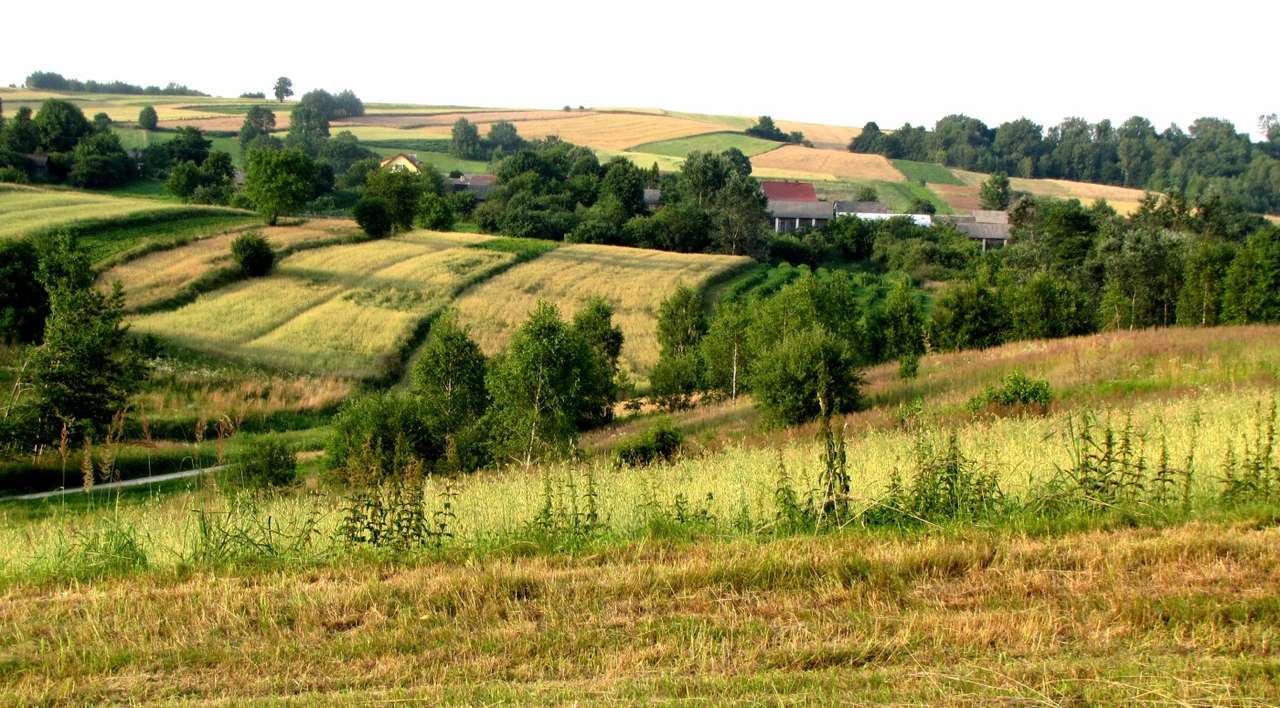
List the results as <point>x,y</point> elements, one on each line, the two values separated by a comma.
<point>789,215</point>
<point>478,186</point>
<point>652,199</point>
<point>408,163</point>
<point>789,191</point>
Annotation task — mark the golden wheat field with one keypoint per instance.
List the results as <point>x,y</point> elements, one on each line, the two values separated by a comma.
<point>339,310</point>
<point>445,120</point>
<point>828,163</point>
<point>827,137</point>
<point>27,209</point>
<point>634,281</point>
<point>162,275</point>
<point>1123,199</point>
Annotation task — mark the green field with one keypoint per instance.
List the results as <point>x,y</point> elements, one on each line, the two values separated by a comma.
<point>897,195</point>
<point>708,142</point>
<point>132,137</point>
<point>928,172</point>
<point>442,162</point>
<point>349,311</point>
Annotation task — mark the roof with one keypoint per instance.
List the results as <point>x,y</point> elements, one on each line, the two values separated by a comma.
<point>799,209</point>
<point>986,216</point>
<point>481,180</point>
<point>790,191</point>
<point>411,159</point>
<point>652,197</point>
<point>843,207</point>
<point>984,231</point>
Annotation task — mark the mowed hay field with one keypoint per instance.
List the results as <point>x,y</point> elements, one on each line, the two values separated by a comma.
<point>829,137</point>
<point>634,281</point>
<point>341,310</point>
<point>162,275</point>
<point>24,210</point>
<point>828,164</point>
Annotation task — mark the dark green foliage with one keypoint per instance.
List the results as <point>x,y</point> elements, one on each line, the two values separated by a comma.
<point>253,254</point>
<point>265,464</point>
<point>373,215</point>
<point>1143,275</point>
<point>1253,280</point>
<point>259,121</point>
<point>100,161</point>
<point>20,135</point>
<point>57,82</point>
<point>449,382</point>
<point>434,212</point>
<point>402,191</point>
<point>308,130</point>
<point>207,183</point>
<point>59,125</point>
<point>682,322</point>
<point>594,325</point>
<point>1045,306</point>
<point>24,304</point>
<point>147,118</point>
<point>904,328</point>
<point>283,88</point>
<point>1204,278</point>
<point>279,181</point>
<point>725,350</point>
<point>381,436</point>
<point>810,373</point>
<point>765,128</point>
<point>188,145</point>
<point>660,442</point>
<point>675,379</point>
<point>1016,392</point>
<point>465,141</point>
<point>995,192</point>
<point>967,315</point>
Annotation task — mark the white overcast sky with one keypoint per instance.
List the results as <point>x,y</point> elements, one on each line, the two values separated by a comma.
<point>831,62</point>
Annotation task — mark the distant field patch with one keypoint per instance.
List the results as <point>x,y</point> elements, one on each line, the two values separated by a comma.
<point>960,197</point>
<point>162,275</point>
<point>634,280</point>
<point>443,162</point>
<point>347,310</point>
<point>830,137</point>
<point>929,172</point>
<point>1123,199</point>
<point>709,142</point>
<point>838,163</point>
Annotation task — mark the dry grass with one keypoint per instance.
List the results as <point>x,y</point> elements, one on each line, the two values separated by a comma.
<point>446,120</point>
<point>634,281</point>
<point>1183,616</point>
<point>209,393</point>
<point>960,197</point>
<point>340,310</point>
<point>1123,199</point>
<point>163,274</point>
<point>828,164</point>
<point>219,122</point>
<point>829,137</point>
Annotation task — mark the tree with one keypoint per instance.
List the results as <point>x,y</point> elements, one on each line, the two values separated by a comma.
<point>189,145</point>
<point>147,118</point>
<point>1203,281</point>
<point>504,136</point>
<point>20,134</point>
<point>866,193</point>
<point>434,213</point>
<point>810,374</point>
<point>60,125</point>
<point>594,325</point>
<point>101,122</point>
<point>449,381</point>
<point>253,254</point>
<point>373,215</point>
<point>100,161</point>
<point>308,130</point>
<point>681,326</point>
<point>279,181</point>
<point>536,387</point>
<point>904,328</point>
<point>464,142</point>
<point>402,190</point>
<point>259,121</point>
<point>1252,292</point>
<point>283,89</point>
<point>624,182</point>
<point>740,217</point>
<point>995,192</point>
<point>87,367</point>
<point>726,356</point>
<point>24,304</point>
<point>967,315</point>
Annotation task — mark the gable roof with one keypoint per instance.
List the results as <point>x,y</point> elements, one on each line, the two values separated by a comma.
<point>790,191</point>
<point>984,231</point>
<point>411,159</point>
<point>799,209</point>
<point>987,216</point>
<point>843,207</point>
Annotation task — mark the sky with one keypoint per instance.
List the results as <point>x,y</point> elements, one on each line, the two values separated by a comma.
<point>841,63</point>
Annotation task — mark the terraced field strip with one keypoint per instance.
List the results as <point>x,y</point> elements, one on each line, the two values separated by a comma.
<point>928,172</point>
<point>709,142</point>
<point>24,210</point>
<point>162,275</point>
<point>635,281</point>
<point>342,310</point>
<point>821,163</point>
<point>830,137</point>
<point>1123,199</point>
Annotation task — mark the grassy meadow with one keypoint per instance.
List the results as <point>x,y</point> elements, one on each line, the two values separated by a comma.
<point>709,142</point>
<point>928,172</point>
<point>28,210</point>
<point>634,281</point>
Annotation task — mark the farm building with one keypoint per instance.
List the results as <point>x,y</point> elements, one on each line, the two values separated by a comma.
<point>408,163</point>
<point>789,215</point>
<point>991,228</point>
<point>789,191</point>
<point>846,208</point>
<point>478,185</point>
<point>652,199</point>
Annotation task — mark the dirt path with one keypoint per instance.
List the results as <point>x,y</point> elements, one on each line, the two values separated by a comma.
<point>136,482</point>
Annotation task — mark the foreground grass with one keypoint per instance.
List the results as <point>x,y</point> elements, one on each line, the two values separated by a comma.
<point>1183,614</point>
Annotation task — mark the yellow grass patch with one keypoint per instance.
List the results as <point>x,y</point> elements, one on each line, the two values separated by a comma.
<point>163,274</point>
<point>1123,199</point>
<point>446,120</point>
<point>634,281</point>
<point>844,164</point>
<point>215,121</point>
<point>960,197</point>
<point>26,209</point>
<point>832,137</point>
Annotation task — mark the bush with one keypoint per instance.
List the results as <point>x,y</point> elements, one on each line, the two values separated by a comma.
<point>271,463</point>
<point>373,215</point>
<point>379,437</point>
<point>434,213</point>
<point>660,442</point>
<point>1016,391</point>
<point>253,254</point>
<point>12,174</point>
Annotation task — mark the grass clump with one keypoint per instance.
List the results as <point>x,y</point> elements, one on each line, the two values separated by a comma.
<point>1016,392</point>
<point>660,443</point>
<point>253,254</point>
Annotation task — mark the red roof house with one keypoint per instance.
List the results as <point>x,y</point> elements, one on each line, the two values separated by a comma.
<point>789,191</point>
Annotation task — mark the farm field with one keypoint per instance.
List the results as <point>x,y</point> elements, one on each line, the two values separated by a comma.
<point>346,311</point>
<point>1122,199</point>
<point>634,281</point>
<point>828,164</point>
<point>709,142</point>
<point>824,137</point>
<point>442,162</point>
<point>162,275</point>
<point>928,172</point>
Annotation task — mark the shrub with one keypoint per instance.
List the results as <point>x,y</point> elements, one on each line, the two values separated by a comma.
<point>660,442</point>
<point>434,213</point>
<point>271,463</point>
<point>253,254</point>
<point>378,437</point>
<point>1015,391</point>
<point>373,215</point>
<point>12,174</point>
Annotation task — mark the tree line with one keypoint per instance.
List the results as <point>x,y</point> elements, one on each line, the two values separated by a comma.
<point>78,151</point>
<point>1209,158</point>
<point>52,81</point>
